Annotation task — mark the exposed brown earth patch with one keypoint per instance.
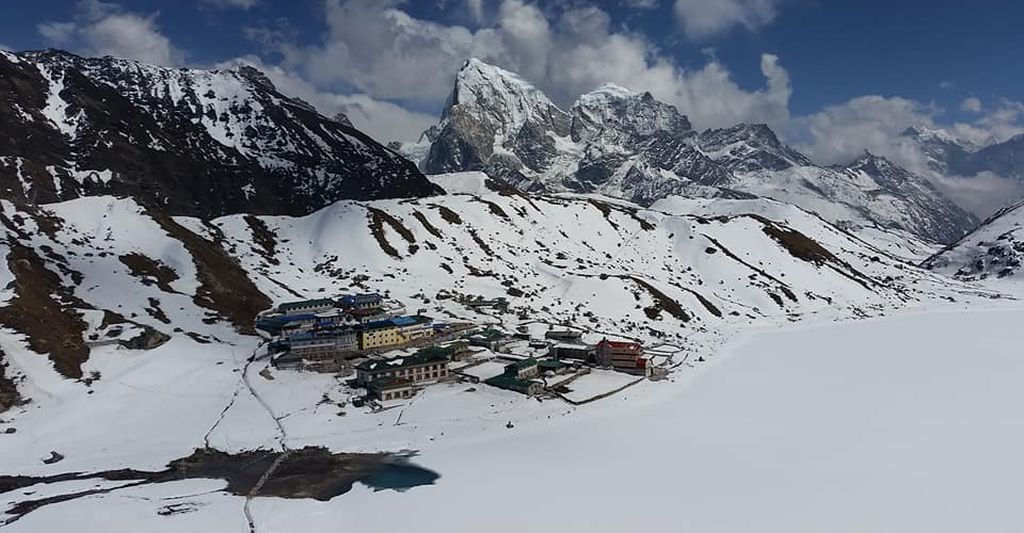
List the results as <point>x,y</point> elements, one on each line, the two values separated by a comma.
<point>224,286</point>
<point>448,215</point>
<point>427,225</point>
<point>9,396</point>
<point>494,208</point>
<point>662,301</point>
<point>150,271</point>
<point>264,238</point>
<point>51,326</point>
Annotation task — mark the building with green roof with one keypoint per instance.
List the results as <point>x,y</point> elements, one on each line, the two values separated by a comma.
<point>512,383</point>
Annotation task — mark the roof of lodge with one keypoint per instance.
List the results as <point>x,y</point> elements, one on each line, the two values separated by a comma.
<point>362,297</point>
<point>620,344</point>
<point>331,334</point>
<point>306,303</point>
<point>505,381</point>
<point>396,322</point>
<point>421,357</point>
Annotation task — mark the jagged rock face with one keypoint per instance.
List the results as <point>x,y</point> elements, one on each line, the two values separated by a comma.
<point>924,210</point>
<point>495,119</point>
<point>749,148</point>
<point>188,142</point>
<point>631,146</point>
<point>945,154</point>
<point>613,115</point>
<point>1004,159</point>
<point>611,142</point>
<point>994,249</point>
<point>949,155</point>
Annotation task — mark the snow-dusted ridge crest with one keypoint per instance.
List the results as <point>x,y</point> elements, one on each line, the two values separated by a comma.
<point>185,141</point>
<point>116,265</point>
<point>619,143</point>
<point>994,250</point>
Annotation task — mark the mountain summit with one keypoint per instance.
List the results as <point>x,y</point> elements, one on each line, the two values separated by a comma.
<point>190,142</point>
<point>620,143</point>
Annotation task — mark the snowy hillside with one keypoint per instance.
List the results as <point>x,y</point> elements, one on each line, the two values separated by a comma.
<point>107,304</point>
<point>105,271</point>
<point>627,145</point>
<point>995,249</point>
<point>187,141</point>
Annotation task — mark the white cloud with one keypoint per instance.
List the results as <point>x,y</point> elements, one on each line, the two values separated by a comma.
<point>972,105</point>
<point>982,194</point>
<point>385,53</point>
<point>241,4</point>
<point>996,124</point>
<point>384,121</point>
<point>476,9</point>
<point>701,19</point>
<point>101,29</point>
<point>641,4</point>
<point>841,133</point>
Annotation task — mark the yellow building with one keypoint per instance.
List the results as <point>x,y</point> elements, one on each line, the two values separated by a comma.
<point>380,335</point>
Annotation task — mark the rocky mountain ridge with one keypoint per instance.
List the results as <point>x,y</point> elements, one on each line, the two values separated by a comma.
<point>994,249</point>
<point>629,145</point>
<point>185,141</point>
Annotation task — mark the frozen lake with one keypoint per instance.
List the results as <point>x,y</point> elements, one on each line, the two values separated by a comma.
<point>904,424</point>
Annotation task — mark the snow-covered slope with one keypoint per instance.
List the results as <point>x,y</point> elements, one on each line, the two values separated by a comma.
<point>628,145</point>
<point>186,141</point>
<point>995,249</point>
<point>125,333</point>
<point>102,271</point>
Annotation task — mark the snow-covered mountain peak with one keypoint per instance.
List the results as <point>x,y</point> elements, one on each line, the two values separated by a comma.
<point>187,141</point>
<point>629,145</point>
<point>995,248</point>
<point>926,134</point>
<point>750,147</point>
<point>501,96</point>
<point>618,115</point>
<point>495,119</point>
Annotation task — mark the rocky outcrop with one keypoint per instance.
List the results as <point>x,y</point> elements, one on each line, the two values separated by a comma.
<point>186,142</point>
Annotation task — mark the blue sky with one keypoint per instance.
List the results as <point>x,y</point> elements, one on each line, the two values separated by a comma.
<point>841,75</point>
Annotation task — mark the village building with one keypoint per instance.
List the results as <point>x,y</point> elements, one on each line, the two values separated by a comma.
<point>564,335</point>
<point>414,327</point>
<point>360,301</point>
<point>551,367</point>
<point>287,361</point>
<point>625,356</point>
<point>581,352</point>
<point>499,303</point>
<point>306,306</point>
<point>514,384</point>
<point>422,367</point>
<point>380,334</point>
<point>365,315</point>
<point>394,331</point>
<point>324,344</point>
<point>285,324</point>
<point>525,369</point>
<point>391,388</point>
<point>516,378</point>
<point>490,338</point>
